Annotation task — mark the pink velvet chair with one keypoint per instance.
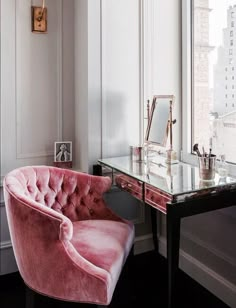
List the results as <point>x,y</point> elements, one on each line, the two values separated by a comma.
<point>67,243</point>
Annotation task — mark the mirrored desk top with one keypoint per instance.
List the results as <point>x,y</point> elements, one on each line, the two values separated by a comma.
<point>178,180</point>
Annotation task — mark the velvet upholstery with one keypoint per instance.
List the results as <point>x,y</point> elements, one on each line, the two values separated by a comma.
<point>68,244</point>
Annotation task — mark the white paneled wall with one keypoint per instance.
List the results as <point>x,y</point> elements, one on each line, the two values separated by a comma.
<point>108,74</point>
<point>121,76</point>
<point>83,81</point>
<point>37,91</point>
<point>31,86</point>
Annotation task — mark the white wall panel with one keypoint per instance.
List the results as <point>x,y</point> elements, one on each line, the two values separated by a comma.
<point>121,66</point>
<point>37,98</point>
<point>38,81</point>
<point>166,55</point>
<point>31,87</point>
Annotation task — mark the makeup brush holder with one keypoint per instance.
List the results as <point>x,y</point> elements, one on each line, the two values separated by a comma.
<point>207,167</point>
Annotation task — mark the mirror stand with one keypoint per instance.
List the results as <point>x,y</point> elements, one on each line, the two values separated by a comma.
<point>171,154</point>
<point>159,125</point>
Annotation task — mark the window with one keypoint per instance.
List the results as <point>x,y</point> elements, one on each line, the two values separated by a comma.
<point>232,14</point>
<point>206,105</point>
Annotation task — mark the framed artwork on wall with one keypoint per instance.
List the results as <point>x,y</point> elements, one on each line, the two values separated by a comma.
<point>63,154</point>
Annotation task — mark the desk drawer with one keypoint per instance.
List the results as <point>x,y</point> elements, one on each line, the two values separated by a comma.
<point>133,186</point>
<point>156,198</point>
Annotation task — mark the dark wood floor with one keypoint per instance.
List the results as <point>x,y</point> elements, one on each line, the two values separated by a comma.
<point>141,285</point>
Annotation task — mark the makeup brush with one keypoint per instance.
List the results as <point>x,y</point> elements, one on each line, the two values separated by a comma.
<point>195,149</point>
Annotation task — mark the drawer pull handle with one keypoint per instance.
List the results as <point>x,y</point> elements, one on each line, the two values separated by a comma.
<point>123,185</point>
<point>129,185</point>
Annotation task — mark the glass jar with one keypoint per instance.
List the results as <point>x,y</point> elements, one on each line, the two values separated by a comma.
<point>223,167</point>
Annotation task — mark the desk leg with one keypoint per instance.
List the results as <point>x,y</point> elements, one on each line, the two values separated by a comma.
<point>154,228</point>
<point>173,241</point>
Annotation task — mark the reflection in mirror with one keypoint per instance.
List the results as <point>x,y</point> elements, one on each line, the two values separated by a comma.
<point>158,120</point>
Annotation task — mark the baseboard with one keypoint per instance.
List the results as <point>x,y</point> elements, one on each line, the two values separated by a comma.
<point>208,278</point>
<point>143,244</point>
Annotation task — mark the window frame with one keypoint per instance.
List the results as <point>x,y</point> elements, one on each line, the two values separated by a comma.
<point>187,94</point>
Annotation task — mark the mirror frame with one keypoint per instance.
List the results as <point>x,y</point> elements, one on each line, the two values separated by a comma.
<point>170,100</point>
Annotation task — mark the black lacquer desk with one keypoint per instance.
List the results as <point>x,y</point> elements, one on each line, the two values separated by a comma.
<point>176,191</point>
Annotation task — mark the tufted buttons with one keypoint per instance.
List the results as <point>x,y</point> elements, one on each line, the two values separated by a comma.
<point>29,189</point>
<point>76,190</point>
<point>90,191</point>
<point>68,199</point>
<point>91,211</point>
<point>38,185</point>
<point>96,200</point>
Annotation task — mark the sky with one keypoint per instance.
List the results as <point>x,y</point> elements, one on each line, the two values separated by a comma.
<point>218,19</point>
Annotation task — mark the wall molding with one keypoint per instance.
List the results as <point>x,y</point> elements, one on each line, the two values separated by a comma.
<point>212,281</point>
<point>19,151</point>
<point>201,273</point>
<point>220,254</point>
<point>143,243</point>
<point>5,244</point>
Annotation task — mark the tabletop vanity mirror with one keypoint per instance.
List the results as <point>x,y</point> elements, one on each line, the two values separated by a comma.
<point>160,124</point>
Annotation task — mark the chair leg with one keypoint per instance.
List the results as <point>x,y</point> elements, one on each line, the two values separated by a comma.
<point>29,297</point>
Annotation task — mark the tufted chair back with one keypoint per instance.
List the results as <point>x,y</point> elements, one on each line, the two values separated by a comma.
<point>76,195</point>
<point>68,244</point>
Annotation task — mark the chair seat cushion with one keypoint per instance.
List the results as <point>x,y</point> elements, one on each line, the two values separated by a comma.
<point>104,243</point>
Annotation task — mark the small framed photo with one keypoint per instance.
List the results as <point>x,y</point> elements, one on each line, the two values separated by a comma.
<point>63,154</point>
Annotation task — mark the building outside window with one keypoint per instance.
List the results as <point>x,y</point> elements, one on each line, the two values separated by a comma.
<point>212,120</point>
